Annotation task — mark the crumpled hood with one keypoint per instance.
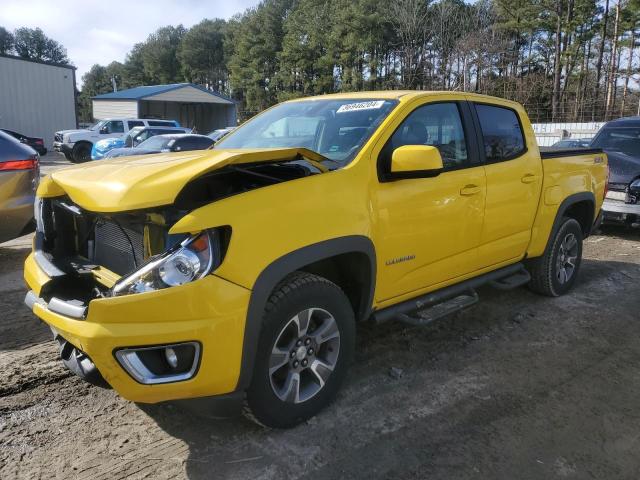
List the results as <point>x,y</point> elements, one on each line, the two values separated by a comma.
<point>623,168</point>
<point>132,183</point>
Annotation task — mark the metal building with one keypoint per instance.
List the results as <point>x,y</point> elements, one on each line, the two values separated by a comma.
<point>192,105</point>
<point>36,98</point>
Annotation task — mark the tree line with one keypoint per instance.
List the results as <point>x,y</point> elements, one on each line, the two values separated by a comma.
<point>565,60</point>
<point>33,44</point>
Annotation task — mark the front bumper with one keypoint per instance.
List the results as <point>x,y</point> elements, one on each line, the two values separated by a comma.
<point>617,211</point>
<point>211,311</point>
<point>65,148</point>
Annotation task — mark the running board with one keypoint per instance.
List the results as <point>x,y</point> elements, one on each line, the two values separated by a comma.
<point>439,310</point>
<point>408,308</point>
<point>512,281</point>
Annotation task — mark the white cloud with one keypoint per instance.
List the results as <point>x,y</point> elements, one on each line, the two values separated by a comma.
<point>104,31</point>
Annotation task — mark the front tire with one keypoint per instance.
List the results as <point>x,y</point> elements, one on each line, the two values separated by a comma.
<point>556,271</point>
<point>305,347</point>
<point>81,153</point>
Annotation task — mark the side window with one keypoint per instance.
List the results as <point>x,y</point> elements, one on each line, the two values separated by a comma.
<point>115,126</point>
<point>501,133</point>
<point>161,123</point>
<point>135,123</point>
<point>203,143</point>
<point>181,144</point>
<point>142,136</point>
<point>438,125</point>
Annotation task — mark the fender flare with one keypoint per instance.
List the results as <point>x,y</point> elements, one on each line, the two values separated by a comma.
<point>564,206</point>
<point>280,268</point>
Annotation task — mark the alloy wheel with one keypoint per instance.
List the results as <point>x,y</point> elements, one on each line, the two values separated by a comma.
<point>566,259</point>
<point>304,355</point>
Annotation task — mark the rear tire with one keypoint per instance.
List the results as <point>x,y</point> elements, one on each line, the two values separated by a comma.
<point>305,347</point>
<point>81,153</point>
<point>554,273</point>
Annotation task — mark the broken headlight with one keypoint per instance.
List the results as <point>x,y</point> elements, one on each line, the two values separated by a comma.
<point>187,261</point>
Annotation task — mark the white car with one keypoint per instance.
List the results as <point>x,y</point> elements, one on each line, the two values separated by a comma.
<point>76,144</point>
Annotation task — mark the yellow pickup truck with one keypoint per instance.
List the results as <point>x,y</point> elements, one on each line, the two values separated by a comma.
<point>235,277</point>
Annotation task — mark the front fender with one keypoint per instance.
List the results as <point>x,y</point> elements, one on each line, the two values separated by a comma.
<point>289,263</point>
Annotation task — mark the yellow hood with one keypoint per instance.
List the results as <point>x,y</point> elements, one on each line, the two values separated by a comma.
<point>132,183</point>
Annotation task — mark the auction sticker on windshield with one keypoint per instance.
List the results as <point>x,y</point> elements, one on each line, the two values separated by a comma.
<point>352,107</point>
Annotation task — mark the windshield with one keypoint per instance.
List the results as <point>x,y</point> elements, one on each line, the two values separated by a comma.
<point>97,126</point>
<point>159,142</point>
<point>626,140</point>
<point>336,129</point>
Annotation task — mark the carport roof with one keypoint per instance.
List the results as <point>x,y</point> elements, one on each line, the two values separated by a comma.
<point>144,92</point>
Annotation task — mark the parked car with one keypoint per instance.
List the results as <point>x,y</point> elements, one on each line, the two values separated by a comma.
<point>34,142</point>
<point>239,273</point>
<point>19,177</point>
<point>572,143</point>
<point>133,138</point>
<point>217,135</point>
<point>165,143</point>
<point>621,140</point>
<point>76,145</point>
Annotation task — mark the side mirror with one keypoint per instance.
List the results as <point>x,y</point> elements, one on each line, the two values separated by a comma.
<point>415,161</point>
<point>104,130</point>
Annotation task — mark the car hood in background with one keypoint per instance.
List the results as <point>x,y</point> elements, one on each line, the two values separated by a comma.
<point>129,152</point>
<point>623,168</point>
<point>107,144</point>
<point>133,183</point>
<point>75,130</point>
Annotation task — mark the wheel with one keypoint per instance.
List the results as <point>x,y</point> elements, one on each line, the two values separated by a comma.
<point>306,345</point>
<point>81,153</point>
<point>555,272</point>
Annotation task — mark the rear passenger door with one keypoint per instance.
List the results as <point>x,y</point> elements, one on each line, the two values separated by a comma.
<point>514,181</point>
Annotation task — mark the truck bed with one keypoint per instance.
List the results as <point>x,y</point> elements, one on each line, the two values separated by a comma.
<point>550,152</point>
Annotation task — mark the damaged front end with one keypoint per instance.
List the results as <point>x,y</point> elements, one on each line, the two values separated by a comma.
<point>97,246</point>
<point>104,235</point>
<point>90,255</point>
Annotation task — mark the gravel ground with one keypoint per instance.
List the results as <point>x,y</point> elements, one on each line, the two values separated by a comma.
<point>518,386</point>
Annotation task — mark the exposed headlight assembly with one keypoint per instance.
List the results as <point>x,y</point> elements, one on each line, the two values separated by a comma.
<point>187,261</point>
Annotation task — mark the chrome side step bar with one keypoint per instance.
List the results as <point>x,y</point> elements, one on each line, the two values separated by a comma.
<point>439,310</point>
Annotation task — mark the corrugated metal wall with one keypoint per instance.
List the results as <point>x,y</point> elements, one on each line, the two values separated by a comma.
<point>36,99</point>
<point>103,109</point>
<point>549,133</point>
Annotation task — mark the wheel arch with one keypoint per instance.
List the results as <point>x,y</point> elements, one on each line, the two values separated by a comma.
<point>579,206</point>
<point>348,261</point>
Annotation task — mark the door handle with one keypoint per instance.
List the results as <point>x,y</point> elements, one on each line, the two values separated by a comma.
<point>469,190</point>
<point>529,178</point>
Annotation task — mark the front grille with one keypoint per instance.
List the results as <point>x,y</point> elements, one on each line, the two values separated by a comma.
<point>117,247</point>
<point>73,236</point>
<point>58,137</point>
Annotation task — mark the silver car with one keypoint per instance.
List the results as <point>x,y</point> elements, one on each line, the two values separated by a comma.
<point>19,177</point>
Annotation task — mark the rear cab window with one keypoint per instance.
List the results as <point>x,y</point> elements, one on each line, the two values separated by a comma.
<point>502,135</point>
<point>161,123</point>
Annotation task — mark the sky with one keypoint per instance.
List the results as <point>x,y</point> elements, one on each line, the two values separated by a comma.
<point>103,31</point>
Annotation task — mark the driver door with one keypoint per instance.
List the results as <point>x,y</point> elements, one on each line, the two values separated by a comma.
<point>428,229</point>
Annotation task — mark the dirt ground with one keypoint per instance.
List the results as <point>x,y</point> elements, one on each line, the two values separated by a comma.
<point>516,387</point>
